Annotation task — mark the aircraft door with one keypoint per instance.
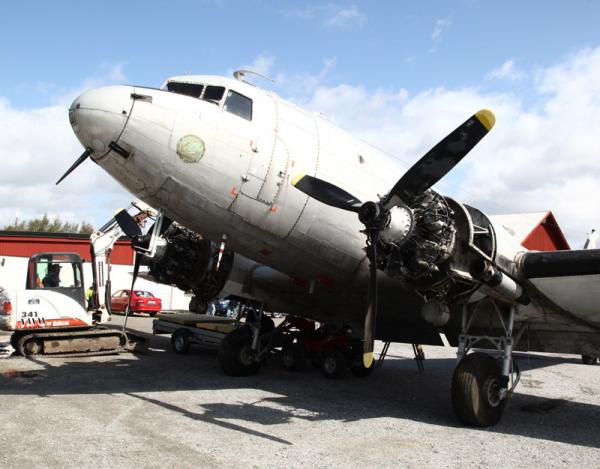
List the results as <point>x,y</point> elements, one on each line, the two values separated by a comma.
<point>276,173</point>
<point>246,140</point>
<point>266,198</point>
<point>262,148</point>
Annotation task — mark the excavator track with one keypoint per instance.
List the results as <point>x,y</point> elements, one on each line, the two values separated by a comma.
<point>84,343</point>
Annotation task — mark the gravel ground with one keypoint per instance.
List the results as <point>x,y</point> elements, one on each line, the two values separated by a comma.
<point>160,409</point>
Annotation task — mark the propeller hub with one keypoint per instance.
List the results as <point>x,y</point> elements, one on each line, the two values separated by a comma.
<point>369,214</point>
<point>400,226</point>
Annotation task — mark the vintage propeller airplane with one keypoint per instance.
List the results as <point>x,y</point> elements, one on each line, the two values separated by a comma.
<point>225,160</point>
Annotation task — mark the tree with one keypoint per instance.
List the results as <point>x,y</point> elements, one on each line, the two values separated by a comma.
<point>45,225</point>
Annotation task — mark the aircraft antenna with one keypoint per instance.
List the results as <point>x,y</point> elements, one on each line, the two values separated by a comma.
<point>240,74</point>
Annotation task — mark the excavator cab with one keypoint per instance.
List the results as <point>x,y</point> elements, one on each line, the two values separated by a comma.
<point>57,271</point>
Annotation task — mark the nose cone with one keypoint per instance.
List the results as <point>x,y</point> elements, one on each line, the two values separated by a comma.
<point>98,116</point>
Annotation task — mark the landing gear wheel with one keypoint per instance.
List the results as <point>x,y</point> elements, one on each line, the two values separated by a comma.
<point>28,346</point>
<point>476,390</point>
<point>180,341</point>
<point>358,369</point>
<point>334,364</point>
<point>198,305</point>
<point>236,356</point>
<point>589,359</point>
<point>292,357</point>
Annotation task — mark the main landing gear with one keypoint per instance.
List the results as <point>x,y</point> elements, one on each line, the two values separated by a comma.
<point>482,383</point>
<point>243,351</point>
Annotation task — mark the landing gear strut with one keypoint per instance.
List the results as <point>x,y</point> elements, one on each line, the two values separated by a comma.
<point>243,350</point>
<point>481,383</point>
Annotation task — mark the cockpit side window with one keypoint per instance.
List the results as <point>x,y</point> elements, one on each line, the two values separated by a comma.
<point>239,105</point>
<point>214,94</point>
<point>188,89</point>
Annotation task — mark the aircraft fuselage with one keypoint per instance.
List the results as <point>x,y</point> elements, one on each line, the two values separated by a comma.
<point>238,181</point>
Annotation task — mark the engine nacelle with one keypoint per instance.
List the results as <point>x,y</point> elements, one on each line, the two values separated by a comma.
<point>191,262</point>
<point>438,247</point>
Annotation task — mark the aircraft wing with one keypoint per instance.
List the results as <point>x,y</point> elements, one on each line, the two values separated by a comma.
<point>570,279</point>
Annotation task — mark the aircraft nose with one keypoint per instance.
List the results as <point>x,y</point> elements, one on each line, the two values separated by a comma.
<point>98,116</point>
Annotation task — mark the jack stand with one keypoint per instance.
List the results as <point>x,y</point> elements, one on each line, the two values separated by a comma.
<point>419,356</point>
<point>256,329</point>
<point>383,354</point>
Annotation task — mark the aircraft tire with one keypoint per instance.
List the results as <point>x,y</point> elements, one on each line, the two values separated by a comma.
<point>198,305</point>
<point>235,355</point>
<point>358,369</point>
<point>474,384</point>
<point>589,359</point>
<point>333,364</point>
<point>292,357</point>
<point>180,341</point>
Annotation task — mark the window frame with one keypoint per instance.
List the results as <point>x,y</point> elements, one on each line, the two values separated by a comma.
<point>203,85</point>
<point>231,90</point>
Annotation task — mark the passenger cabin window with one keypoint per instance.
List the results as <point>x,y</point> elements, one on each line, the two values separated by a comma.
<point>188,89</point>
<point>214,94</point>
<point>239,105</point>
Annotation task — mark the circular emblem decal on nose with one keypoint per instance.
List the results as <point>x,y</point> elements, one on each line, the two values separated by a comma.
<point>190,148</point>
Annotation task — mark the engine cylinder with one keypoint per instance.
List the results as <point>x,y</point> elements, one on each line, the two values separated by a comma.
<point>187,260</point>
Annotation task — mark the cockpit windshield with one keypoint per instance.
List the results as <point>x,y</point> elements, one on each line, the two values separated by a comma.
<point>235,103</point>
<point>188,89</point>
<point>214,94</point>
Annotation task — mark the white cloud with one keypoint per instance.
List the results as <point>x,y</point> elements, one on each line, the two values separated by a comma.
<point>37,146</point>
<point>298,85</point>
<point>342,17</point>
<point>330,15</point>
<point>544,157</point>
<point>440,27</point>
<point>262,64</point>
<point>506,71</point>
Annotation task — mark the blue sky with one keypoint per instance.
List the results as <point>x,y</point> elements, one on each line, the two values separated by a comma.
<point>47,47</point>
<point>399,74</point>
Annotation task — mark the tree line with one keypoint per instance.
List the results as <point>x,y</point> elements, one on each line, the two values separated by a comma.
<point>47,225</point>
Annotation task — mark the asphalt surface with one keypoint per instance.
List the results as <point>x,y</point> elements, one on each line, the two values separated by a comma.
<point>160,409</point>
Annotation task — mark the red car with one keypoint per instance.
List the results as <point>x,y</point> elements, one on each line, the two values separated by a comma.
<point>141,302</point>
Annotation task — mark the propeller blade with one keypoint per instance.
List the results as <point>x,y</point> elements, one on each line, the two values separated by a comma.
<point>128,224</point>
<point>369,326</point>
<point>78,161</point>
<point>326,192</point>
<point>438,161</point>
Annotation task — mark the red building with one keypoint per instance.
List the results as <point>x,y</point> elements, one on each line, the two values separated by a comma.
<point>535,231</point>
<point>25,244</point>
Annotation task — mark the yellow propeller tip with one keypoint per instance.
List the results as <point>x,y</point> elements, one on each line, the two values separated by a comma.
<point>297,178</point>
<point>368,359</point>
<point>487,118</point>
